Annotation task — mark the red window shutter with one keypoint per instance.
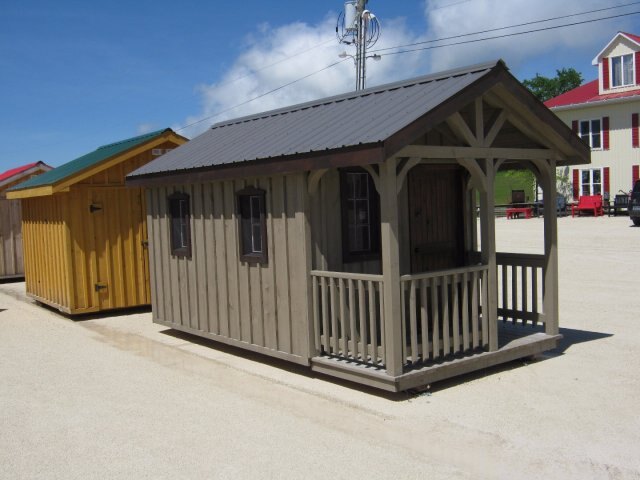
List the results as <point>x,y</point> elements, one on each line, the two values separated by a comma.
<point>605,73</point>
<point>574,126</point>
<point>635,141</point>
<point>605,180</point>
<point>637,67</point>
<point>576,184</point>
<point>635,173</point>
<point>605,133</point>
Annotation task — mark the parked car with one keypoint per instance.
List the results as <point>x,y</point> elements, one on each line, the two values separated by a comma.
<point>634,204</point>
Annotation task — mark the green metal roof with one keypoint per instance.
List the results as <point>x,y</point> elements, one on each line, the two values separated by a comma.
<point>87,161</point>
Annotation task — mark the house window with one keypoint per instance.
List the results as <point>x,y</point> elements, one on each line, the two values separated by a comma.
<point>360,216</point>
<point>622,70</point>
<point>591,132</point>
<point>591,181</point>
<point>252,225</point>
<point>180,228</point>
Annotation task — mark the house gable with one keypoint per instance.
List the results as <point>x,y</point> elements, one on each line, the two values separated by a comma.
<point>619,65</point>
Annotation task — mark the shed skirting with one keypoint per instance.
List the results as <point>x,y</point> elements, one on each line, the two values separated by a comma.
<point>237,343</point>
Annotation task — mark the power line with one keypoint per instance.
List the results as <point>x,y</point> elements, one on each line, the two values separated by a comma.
<point>507,27</point>
<point>513,34</point>
<point>434,47</point>
<point>261,95</point>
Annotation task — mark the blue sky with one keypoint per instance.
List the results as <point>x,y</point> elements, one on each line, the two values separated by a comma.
<point>75,75</point>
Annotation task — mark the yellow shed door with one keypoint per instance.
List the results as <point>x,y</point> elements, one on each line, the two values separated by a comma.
<point>121,254</point>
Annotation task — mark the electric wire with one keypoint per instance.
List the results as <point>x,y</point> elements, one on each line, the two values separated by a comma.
<point>432,47</point>
<point>534,22</point>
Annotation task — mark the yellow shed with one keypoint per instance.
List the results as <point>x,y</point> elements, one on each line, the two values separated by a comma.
<point>84,233</point>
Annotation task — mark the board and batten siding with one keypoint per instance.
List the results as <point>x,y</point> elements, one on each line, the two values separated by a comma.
<point>11,260</point>
<point>46,253</point>
<point>260,307</point>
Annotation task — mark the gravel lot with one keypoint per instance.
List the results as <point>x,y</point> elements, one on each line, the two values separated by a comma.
<point>120,397</point>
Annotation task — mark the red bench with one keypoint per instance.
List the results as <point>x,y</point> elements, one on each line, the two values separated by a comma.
<point>588,203</point>
<point>514,212</point>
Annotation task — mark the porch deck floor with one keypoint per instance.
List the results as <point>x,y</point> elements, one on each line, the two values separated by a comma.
<point>514,341</point>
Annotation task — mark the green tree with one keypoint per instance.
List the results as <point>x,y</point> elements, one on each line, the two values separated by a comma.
<point>545,88</point>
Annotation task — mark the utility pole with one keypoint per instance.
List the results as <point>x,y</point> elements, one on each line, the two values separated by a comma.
<point>359,27</point>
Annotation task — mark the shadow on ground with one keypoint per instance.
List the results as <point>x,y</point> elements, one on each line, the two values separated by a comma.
<point>570,337</point>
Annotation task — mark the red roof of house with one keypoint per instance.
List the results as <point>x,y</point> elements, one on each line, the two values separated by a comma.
<point>15,171</point>
<point>633,37</point>
<point>587,93</point>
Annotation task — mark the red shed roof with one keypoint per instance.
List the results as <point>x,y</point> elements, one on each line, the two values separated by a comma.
<point>587,93</point>
<point>15,171</point>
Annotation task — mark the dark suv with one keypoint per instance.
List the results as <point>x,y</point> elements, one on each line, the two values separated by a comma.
<point>634,204</point>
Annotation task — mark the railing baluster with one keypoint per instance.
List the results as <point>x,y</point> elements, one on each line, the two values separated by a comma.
<point>352,320</point>
<point>334,316</point>
<point>465,311</point>
<point>362,310</point>
<point>316,313</point>
<point>446,343</point>
<point>455,314</point>
<point>413,331</point>
<point>525,291</point>
<point>424,320</point>
<point>435,328</point>
<point>403,318</point>
<point>474,310</point>
<point>505,291</point>
<point>372,321</point>
<point>514,292</point>
<point>534,294</point>
<point>485,316</point>
<point>325,315</point>
<point>343,319</point>
<point>383,339</point>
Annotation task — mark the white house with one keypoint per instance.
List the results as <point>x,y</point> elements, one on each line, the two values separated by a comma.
<point>604,112</point>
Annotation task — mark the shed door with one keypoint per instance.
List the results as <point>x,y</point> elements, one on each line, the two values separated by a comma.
<point>121,253</point>
<point>436,219</point>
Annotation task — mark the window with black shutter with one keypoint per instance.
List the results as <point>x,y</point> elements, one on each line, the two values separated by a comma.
<point>253,225</point>
<point>180,225</point>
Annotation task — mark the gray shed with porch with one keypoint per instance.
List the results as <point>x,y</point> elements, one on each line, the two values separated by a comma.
<point>343,233</point>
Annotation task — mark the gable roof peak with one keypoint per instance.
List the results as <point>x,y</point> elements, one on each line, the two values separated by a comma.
<point>629,36</point>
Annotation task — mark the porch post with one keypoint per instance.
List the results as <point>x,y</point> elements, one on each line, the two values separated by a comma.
<point>391,266</point>
<point>488,253</point>
<point>550,293</point>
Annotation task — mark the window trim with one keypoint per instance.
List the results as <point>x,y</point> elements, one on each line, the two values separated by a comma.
<point>246,252</point>
<point>374,251</point>
<point>632,74</point>
<point>181,251</point>
<point>589,137</point>
<point>591,182</point>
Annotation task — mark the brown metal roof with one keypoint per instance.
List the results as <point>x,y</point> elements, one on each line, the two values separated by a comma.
<point>358,118</point>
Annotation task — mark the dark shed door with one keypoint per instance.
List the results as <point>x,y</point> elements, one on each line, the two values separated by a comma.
<point>436,217</point>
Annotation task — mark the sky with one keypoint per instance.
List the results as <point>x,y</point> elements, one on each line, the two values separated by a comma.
<point>75,75</point>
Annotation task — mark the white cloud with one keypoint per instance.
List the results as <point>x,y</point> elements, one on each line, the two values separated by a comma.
<point>272,56</point>
<point>145,128</point>
<point>252,76</point>
<point>479,15</point>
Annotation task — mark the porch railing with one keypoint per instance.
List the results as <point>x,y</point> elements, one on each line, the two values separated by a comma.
<point>520,288</point>
<point>348,316</point>
<point>442,313</point>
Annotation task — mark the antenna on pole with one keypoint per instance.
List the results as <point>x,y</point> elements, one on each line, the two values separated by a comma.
<point>361,28</point>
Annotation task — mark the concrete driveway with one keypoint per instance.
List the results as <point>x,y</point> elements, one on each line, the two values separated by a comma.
<point>120,397</point>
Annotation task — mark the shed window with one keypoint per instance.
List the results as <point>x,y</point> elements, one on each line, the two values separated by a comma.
<point>360,216</point>
<point>253,226</point>
<point>622,71</point>
<point>180,215</point>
